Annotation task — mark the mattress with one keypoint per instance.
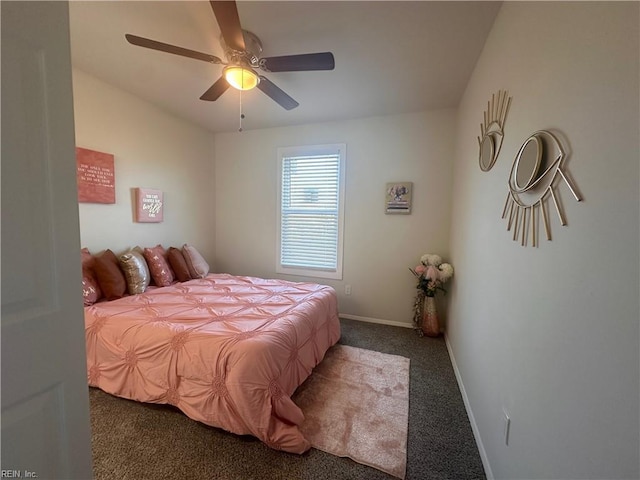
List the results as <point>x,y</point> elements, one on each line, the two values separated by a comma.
<point>227,351</point>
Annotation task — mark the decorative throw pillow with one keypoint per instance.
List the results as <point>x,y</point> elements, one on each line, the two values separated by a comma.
<point>136,271</point>
<point>110,277</point>
<point>87,259</point>
<point>91,292</point>
<point>160,270</point>
<point>198,266</point>
<point>178,264</point>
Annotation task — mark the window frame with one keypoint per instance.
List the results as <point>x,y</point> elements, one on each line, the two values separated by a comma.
<point>311,150</point>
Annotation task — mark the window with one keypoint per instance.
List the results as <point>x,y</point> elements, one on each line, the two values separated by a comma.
<point>311,201</point>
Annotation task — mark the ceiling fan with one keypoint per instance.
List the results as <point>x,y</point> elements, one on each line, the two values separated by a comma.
<point>242,49</point>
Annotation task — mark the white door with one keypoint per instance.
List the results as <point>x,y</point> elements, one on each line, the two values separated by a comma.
<point>45,406</point>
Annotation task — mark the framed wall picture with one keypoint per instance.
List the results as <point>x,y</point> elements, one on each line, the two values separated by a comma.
<point>96,176</point>
<point>398,197</point>
<point>149,205</point>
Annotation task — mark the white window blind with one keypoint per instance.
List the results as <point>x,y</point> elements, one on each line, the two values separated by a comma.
<point>311,211</point>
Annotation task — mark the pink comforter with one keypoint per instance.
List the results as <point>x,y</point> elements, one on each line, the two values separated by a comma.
<point>227,351</point>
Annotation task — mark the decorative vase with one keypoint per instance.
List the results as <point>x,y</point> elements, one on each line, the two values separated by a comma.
<point>430,324</point>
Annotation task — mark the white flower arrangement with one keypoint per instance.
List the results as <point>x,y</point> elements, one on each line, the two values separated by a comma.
<point>432,273</point>
<point>430,259</point>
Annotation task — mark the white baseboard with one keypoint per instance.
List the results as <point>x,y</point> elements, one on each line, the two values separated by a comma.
<point>472,420</point>
<point>375,320</point>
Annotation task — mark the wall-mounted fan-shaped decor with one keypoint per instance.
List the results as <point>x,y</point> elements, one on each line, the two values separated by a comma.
<point>492,129</point>
<point>532,180</point>
<point>242,49</point>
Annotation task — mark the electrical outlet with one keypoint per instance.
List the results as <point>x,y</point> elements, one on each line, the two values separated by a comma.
<point>507,426</point>
<point>347,289</point>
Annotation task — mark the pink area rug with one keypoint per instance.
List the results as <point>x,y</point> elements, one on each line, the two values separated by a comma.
<point>356,405</point>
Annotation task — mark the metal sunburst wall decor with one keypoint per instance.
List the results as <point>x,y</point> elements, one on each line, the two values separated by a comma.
<point>532,180</point>
<point>492,129</point>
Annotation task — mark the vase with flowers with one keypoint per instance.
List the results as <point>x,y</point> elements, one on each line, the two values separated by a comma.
<point>432,274</point>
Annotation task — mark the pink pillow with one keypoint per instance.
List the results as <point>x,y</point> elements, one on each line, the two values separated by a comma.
<point>158,267</point>
<point>87,258</point>
<point>178,264</point>
<point>91,292</point>
<point>110,277</point>
<point>198,266</point>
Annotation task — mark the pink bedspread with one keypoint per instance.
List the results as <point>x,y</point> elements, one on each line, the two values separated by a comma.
<point>227,351</point>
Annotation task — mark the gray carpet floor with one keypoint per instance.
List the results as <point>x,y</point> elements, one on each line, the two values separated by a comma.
<point>135,441</point>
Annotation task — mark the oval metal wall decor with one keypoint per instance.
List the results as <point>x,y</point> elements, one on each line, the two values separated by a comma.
<point>532,180</point>
<point>492,129</point>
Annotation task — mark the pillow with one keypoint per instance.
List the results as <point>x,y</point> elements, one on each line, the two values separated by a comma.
<point>136,271</point>
<point>198,266</point>
<point>160,270</point>
<point>87,259</point>
<point>110,277</point>
<point>91,292</point>
<point>178,264</point>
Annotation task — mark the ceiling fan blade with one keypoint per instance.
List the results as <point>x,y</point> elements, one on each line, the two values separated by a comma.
<point>299,63</point>
<point>284,100</point>
<point>227,16</point>
<point>215,90</point>
<point>165,47</point>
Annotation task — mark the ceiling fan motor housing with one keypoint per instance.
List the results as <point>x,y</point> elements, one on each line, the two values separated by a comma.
<point>251,54</point>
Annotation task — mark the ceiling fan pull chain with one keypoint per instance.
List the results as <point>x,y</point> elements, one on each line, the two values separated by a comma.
<point>241,114</point>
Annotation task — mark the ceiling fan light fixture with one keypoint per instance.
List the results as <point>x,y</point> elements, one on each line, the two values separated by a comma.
<point>241,78</point>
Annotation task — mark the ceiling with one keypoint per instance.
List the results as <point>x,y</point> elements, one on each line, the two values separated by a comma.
<point>391,57</point>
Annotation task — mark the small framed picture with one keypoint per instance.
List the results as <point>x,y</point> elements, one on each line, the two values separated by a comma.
<point>398,199</point>
<point>149,205</point>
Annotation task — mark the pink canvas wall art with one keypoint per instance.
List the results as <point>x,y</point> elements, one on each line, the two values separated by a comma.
<point>96,176</point>
<point>149,205</point>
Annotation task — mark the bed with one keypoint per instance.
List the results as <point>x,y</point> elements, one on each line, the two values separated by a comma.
<point>227,351</point>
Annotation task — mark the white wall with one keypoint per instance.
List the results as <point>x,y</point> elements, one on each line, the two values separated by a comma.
<point>152,149</point>
<point>550,334</point>
<point>378,248</point>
